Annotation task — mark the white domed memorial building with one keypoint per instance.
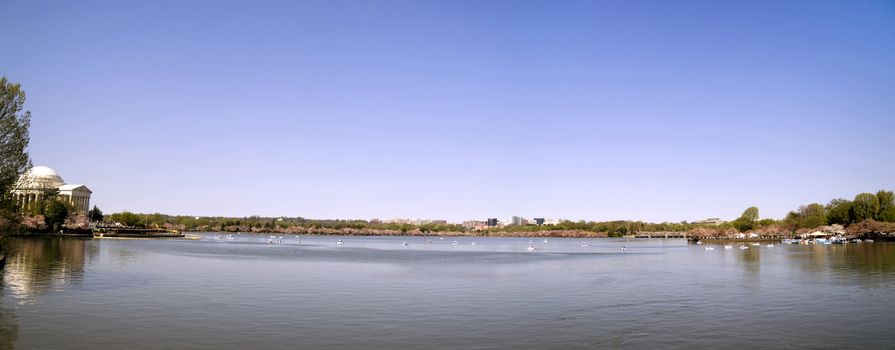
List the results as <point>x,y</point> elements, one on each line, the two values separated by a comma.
<point>36,181</point>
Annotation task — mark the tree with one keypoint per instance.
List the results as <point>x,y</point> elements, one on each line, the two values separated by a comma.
<point>14,161</point>
<point>886,211</point>
<point>95,214</point>
<point>130,219</point>
<point>812,215</point>
<point>793,221</point>
<point>55,213</point>
<point>839,212</point>
<point>747,221</point>
<point>865,206</point>
<point>42,201</point>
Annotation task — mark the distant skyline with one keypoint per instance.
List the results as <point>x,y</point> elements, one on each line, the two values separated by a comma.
<point>457,110</point>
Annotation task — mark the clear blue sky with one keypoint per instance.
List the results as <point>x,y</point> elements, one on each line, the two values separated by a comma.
<point>652,110</point>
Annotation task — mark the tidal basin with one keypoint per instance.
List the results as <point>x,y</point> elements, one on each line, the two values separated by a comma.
<point>262,292</point>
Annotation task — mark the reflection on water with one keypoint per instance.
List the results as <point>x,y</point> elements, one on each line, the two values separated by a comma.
<point>9,328</point>
<point>863,262</point>
<point>378,293</point>
<point>37,266</point>
<point>34,267</point>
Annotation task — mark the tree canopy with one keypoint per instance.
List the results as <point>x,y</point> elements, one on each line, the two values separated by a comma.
<point>886,211</point>
<point>14,160</point>
<point>865,206</point>
<point>747,221</point>
<point>813,215</point>
<point>95,214</point>
<point>839,212</point>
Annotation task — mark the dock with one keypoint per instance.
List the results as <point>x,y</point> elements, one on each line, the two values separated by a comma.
<point>670,234</point>
<point>131,232</point>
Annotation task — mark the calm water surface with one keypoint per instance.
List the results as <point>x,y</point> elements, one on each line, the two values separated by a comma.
<point>376,293</point>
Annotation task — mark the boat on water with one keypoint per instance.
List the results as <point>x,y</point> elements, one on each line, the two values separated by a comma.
<point>820,241</point>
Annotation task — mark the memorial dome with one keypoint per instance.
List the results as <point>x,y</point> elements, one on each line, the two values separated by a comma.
<point>42,177</point>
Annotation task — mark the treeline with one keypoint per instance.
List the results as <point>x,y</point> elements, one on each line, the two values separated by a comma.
<point>290,224</point>
<point>878,207</point>
<point>868,213</point>
<point>866,206</point>
<point>266,224</point>
<point>303,225</point>
<point>615,228</point>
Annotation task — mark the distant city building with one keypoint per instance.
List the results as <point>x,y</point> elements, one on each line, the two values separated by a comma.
<point>552,221</point>
<point>517,221</point>
<point>709,221</point>
<point>491,222</point>
<point>475,225</point>
<point>38,180</point>
<point>538,221</point>
<point>410,221</point>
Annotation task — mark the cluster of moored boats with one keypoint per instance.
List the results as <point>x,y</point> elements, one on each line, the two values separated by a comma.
<point>831,240</point>
<point>741,247</point>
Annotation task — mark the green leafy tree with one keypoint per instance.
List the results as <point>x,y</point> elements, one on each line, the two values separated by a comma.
<point>55,213</point>
<point>14,161</point>
<point>127,218</point>
<point>793,221</point>
<point>865,206</point>
<point>839,212</point>
<point>747,221</point>
<point>813,215</point>
<point>886,210</point>
<point>156,220</point>
<point>95,214</point>
<point>42,201</point>
<point>765,223</point>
